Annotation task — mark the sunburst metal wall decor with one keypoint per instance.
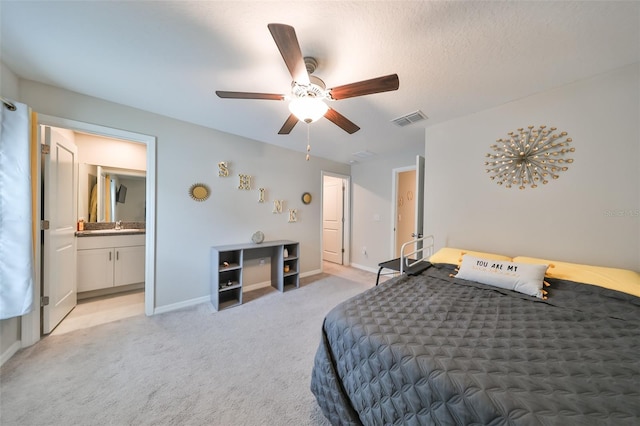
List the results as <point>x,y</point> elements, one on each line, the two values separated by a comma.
<point>529,157</point>
<point>199,191</point>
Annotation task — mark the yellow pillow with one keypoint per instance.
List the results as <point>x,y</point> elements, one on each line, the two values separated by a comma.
<point>615,279</point>
<point>454,255</point>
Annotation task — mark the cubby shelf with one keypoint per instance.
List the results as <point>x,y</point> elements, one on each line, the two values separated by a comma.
<point>227,288</point>
<point>231,267</point>
<point>227,264</point>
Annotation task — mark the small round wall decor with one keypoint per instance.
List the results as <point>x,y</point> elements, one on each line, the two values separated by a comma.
<point>199,191</point>
<point>257,237</point>
<point>529,157</point>
<point>306,198</point>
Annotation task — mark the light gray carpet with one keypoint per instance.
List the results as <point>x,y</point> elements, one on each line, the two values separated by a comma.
<point>248,365</point>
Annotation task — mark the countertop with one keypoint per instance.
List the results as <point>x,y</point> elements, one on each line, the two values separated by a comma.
<point>109,232</point>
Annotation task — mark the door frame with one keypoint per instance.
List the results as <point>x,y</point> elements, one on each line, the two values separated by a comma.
<point>30,333</point>
<point>395,174</point>
<point>346,226</point>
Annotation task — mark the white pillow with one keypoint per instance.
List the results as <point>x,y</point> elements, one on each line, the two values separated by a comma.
<point>521,277</point>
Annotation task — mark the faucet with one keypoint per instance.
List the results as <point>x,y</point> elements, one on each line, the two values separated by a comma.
<point>119,224</point>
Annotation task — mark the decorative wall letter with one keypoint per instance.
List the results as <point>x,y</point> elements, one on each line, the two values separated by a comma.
<point>245,182</point>
<point>293,215</point>
<point>223,169</point>
<point>277,206</point>
<point>261,196</point>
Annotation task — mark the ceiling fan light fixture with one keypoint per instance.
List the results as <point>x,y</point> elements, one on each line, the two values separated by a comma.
<point>309,92</point>
<point>308,109</point>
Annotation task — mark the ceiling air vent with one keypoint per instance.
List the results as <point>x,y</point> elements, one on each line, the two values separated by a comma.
<point>363,154</point>
<point>410,118</point>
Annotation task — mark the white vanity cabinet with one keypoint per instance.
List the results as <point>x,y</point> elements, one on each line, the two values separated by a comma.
<point>110,261</point>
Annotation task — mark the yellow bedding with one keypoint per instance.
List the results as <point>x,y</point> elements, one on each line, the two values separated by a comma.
<point>622,280</point>
<point>454,255</point>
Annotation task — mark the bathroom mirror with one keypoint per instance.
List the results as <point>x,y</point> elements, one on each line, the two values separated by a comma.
<point>108,194</point>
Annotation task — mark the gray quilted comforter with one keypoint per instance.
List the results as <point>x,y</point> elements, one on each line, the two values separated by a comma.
<point>433,350</point>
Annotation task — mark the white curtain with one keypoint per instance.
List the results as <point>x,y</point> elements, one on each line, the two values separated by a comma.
<point>16,246</point>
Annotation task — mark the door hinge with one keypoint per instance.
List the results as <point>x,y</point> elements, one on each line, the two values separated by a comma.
<point>44,224</point>
<point>46,149</point>
<point>44,301</point>
<point>343,250</point>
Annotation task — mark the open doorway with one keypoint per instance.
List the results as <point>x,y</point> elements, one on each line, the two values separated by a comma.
<point>408,205</point>
<point>32,322</point>
<point>405,216</point>
<point>335,223</point>
<point>109,269</point>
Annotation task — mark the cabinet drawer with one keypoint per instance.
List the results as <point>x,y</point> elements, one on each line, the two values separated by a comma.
<point>104,241</point>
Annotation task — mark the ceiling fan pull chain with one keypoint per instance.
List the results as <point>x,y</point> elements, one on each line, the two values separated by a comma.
<point>308,143</point>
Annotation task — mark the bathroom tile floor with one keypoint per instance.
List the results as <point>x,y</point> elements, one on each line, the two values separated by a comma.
<point>101,310</point>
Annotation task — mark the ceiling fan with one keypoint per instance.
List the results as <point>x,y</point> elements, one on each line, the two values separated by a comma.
<point>308,92</point>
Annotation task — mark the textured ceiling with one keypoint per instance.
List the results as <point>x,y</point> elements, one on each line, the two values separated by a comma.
<point>452,58</point>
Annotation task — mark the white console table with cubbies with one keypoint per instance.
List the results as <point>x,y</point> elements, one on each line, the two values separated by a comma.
<point>227,263</point>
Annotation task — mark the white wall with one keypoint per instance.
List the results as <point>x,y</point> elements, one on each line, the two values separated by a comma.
<point>8,83</point>
<point>372,224</point>
<point>95,151</point>
<point>568,219</point>
<point>109,152</point>
<point>187,154</point>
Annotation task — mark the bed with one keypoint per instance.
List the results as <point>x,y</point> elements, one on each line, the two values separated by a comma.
<point>436,349</point>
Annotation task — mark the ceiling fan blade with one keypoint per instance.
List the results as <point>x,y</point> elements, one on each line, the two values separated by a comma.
<point>341,121</point>
<point>249,95</point>
<point>287,42</point>
<point>366,87</point>
<point>288,125</point>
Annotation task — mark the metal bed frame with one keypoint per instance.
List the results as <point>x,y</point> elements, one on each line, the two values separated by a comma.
<point>422,246</point>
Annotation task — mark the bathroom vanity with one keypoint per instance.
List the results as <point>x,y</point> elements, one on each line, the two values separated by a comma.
<point>110,259</point>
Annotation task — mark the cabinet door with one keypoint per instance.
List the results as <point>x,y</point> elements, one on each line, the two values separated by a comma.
<point>95,269</point>
<point>129,267</point>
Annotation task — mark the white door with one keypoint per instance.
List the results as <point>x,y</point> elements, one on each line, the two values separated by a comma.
<point>59,252</point>
<point>332,220</point>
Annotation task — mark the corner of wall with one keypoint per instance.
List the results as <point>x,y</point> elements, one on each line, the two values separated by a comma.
<point>9,87</point>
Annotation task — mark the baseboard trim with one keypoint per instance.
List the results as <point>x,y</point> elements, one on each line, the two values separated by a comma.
<point>181,305</point>
<point>310,273</point>
<point>207,299</point>
<point>249,287</point>
<point>111,290</point>
<point>11,351</point>
<point>365,268</point>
